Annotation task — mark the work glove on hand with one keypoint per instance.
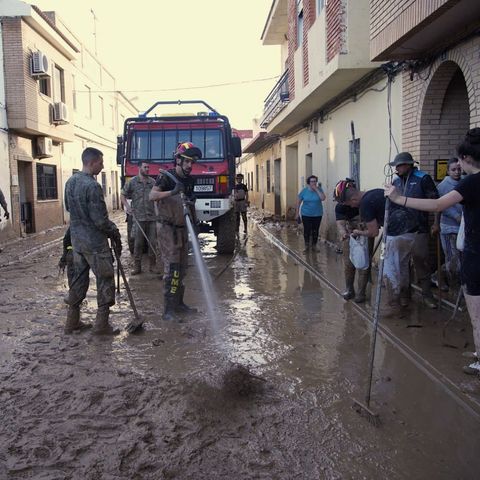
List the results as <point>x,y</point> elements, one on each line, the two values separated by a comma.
<point>117,242</point>
<point>63,262</point>
<point>6,215</point>
<point>177,189</point>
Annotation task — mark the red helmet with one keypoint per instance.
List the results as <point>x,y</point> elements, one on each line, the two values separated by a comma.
<point>341,187</point>
<point>187,150</point>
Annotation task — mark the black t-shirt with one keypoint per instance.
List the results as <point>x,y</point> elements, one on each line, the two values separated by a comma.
<point>372,206</point>
<point>469,189</point>
<point>165,183</point>
<point>344,212</point>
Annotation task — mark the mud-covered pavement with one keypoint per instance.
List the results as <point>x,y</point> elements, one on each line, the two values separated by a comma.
<point>156,405</point>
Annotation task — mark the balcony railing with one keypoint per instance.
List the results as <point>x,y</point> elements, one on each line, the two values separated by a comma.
<point>276,100</point>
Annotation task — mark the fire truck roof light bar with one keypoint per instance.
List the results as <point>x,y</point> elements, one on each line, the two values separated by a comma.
<point>178,102</point>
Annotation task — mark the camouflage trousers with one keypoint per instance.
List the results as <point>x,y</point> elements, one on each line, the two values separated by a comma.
<point>150,231</point>
<point>173,242</point>
<point>102,267</point>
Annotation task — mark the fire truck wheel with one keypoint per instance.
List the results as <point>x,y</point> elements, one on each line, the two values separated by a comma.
<point>226,233</point>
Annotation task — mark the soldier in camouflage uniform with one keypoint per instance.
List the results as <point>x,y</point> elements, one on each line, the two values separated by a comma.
<point>171,228</point>
<point>90,230</point>
<point>142,209</point>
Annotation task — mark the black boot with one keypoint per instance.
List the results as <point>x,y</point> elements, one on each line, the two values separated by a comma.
<point>349,292</point>
<point>102,327</point>
<point>182,307</point>
<point>73,322</point>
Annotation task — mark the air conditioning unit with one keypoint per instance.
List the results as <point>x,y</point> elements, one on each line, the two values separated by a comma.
<point>44,147</point>
<point>40,65</point>
<point>60,113</point>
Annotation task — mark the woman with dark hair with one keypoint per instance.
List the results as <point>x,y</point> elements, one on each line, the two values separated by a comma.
<point>467,192</point>
<point>310,210</point>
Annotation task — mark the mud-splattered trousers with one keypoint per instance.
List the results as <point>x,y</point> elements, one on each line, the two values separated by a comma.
<point>399,250</point>
<point>174,242</point>
<point>101,265</point>
<point>139,241</point>
<point>452,258</point>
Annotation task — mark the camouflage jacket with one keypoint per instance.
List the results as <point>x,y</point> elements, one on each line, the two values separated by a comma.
<point>89,223</point>
<point>138,191</point>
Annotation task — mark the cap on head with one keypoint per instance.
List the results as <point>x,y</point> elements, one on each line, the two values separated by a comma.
<point>341,188</point>
<point>188,150</point>
<point>239,175</point>
<point>402,159</point>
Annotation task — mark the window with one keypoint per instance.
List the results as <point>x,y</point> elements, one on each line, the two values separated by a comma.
<point>74,93</point>
<point>58,84</point>
<point>139,148</point>
<point>159,145</point>
<point>46,182</point>
<point>268,177</point>
<point>156,145</point>
<point>354,151</point>
<point>102,109</point>
<point>256,178</point>
<point>299,22</point>
<point>45,87</point>
<point>320,6</point>
<point>89,101</point>
<point>112,117</point>
<point>104,183</point>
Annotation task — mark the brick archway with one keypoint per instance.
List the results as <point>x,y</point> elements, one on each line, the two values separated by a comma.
<point>444,115</point>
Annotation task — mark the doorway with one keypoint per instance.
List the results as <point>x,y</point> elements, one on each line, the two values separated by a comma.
<point>277,185</point>
<point>25,184</point>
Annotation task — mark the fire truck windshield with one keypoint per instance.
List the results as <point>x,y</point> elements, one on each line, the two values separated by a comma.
<point>159,145</point>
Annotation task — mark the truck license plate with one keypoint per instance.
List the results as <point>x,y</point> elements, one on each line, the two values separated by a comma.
<point>203,188</point>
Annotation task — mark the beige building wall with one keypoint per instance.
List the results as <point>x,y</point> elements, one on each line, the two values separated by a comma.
<point>6,229</point>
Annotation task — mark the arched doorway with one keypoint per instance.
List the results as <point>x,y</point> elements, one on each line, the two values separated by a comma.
<point>445,115</point>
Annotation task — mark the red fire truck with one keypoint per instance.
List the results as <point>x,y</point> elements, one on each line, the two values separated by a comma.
<point>154,138</point>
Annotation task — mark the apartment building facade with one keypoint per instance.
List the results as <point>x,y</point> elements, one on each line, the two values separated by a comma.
<point>328,83</point>
<point>438,41</point>
<point>55,107</point>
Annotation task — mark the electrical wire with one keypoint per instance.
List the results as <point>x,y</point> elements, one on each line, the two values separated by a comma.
<point>177,89</point>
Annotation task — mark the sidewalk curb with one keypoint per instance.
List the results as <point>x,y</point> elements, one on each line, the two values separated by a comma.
<point>451,388</point>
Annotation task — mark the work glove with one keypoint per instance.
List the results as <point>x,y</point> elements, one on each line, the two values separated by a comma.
<point>66,259</point>
<point>179,188</point>
<point>6,215</point>
<point>116,242</point>
<point>63,262</point>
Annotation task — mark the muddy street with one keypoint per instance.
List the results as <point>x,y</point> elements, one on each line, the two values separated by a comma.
<point>162,404</point>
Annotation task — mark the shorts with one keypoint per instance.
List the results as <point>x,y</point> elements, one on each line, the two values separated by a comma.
<point>470,273</point>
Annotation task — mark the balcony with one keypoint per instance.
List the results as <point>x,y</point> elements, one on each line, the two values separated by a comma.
<point>276,100</point>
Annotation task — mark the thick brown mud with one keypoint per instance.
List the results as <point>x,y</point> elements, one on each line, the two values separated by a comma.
<point>268,395</point>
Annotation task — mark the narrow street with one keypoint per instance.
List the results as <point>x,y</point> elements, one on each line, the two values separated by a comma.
<point>158,404</point>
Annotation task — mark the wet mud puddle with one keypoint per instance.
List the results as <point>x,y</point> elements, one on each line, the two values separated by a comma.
<point>274,401</point>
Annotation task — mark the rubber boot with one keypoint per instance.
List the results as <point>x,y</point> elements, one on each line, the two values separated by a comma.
<point>73,322</point>
<point>182,307</point>
<point>428,299</point>
<point>169,310</point>
<point>172,286</point>
<point>101,326</point>
<point>153,267</point>
<point>363,276</point>
<point>349,292</point>
<point>307,246</point>
<point>391,307</point>
<point>137,267</point>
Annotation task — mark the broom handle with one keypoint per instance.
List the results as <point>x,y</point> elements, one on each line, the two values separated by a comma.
<point>378,296</point>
